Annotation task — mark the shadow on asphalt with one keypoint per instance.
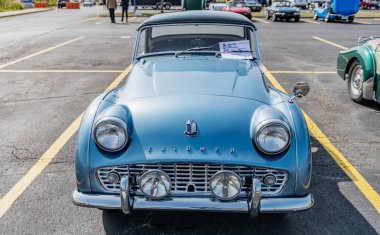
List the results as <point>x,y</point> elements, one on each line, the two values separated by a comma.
<point>332,213</point>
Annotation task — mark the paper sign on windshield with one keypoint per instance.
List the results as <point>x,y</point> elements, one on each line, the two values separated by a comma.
<point>236,49</point>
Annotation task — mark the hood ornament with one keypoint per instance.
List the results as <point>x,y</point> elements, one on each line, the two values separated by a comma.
<point>191,128</point>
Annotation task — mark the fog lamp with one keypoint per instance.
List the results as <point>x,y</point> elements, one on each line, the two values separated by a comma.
<point>269,180</point>
<point>113,177</point>
<point>225,185</point>
<point>155,184</point>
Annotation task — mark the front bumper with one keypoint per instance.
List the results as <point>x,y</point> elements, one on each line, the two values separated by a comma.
<point>253,206</point>
<point>287,15</point>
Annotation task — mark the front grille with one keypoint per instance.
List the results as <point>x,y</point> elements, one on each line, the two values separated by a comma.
<point>197,175</point>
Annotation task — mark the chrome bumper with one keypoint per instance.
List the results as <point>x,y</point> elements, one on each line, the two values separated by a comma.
<point>253,206</point>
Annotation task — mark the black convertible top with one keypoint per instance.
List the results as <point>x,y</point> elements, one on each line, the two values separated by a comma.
<point>198,17</point>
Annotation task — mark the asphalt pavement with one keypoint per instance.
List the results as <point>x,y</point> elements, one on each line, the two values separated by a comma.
<point>52,64</point>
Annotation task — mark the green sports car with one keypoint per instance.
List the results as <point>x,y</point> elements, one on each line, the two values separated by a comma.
<point>360,66</point>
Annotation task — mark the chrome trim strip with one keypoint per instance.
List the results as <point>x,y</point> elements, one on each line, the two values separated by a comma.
<point>268,205</point>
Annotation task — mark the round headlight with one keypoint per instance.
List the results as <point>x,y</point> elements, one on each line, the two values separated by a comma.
<point>225,185</point>
<point>273,138</point>
<point>155,184</point>
<point>110,134</point>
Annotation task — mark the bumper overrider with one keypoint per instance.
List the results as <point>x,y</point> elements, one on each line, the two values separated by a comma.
<point>128,202</point>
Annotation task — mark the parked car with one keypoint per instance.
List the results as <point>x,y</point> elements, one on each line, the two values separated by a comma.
<point>238,7</point>
<point>303,4</point>
<point>360,66</point>
<point>62,3</point>
<point>89,3</point>
<point>254,5</point>
<point>368,4</point>
<point>343,10</point>
<point>195,127</point>
<point>283,10</point>
<point>217,6</point>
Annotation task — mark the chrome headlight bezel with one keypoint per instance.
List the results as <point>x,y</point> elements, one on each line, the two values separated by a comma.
<point>269,123</point>
<point>117,122</point>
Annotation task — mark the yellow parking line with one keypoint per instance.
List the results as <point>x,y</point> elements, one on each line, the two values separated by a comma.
<point>59,71</point>
<point>17,190</point>
<point>368,191</point>
<point>362,22</point>
<point>262,21</point>
<point>331,43</point>
<point>310,21</point>
<point>301,72</point>
<point>40,52</point>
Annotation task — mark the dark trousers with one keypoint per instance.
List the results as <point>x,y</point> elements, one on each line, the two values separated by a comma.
<point>125,9</point>
<point>112,15</point>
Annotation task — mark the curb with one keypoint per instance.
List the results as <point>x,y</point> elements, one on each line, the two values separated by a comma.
<point>22,12</point>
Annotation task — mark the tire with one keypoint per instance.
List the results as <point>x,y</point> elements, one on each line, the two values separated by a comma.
<point>267,16</point>
<point>350,20</point>
<point>315,16</point>
<point>355,82</point>
<point>297,19</point>
<point>327,18</point>
<point>274,18</point>
<point>167,6</point>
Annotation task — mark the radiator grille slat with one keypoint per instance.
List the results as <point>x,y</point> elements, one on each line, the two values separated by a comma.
<point>197,175</point>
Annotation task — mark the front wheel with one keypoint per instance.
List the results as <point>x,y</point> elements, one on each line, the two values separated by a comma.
<point>167,7</point>
<point>350,20</point>
<point>297,19</point>
<point>315,16</point>
<point>355,82</point>
<point>267,16</point>
<point>327,18</point>
<point>274,18</point>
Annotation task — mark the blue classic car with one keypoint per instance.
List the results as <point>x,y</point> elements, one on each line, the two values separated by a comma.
<point>333,10</point>
<point>195,127</point>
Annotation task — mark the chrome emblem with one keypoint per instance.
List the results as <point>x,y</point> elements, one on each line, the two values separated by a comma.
<point>191,128</point>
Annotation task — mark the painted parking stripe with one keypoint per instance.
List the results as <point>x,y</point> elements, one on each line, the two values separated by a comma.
<point>59,71</point>
<point>362,22</point>
<point>368,191</point>
<point>310,21</point>
<point>41,52</point>
<point>331,43</point>
<point>260,20</point>
<point>301,72</point>
<point>18,189</point>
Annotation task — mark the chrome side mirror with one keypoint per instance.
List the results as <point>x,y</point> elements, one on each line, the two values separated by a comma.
<point>300,90</point>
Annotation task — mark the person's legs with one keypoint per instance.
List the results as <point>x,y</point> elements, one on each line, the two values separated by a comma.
<point>126,14</point>
<point>122,14</point>
<point>112,15</point>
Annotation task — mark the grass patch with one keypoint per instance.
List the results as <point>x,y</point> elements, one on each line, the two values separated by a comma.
<point>10,5</point>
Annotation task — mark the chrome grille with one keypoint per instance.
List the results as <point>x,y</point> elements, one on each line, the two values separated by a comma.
<point>198,175</point>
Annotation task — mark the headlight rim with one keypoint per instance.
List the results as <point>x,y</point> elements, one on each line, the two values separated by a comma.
<point>230,198</point>
<point>116,121</point>
<point>161,172</point>
<point>267,123</point>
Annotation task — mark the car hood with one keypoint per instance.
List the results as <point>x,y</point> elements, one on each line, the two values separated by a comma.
<point>194,75</point>
<point>225,126</point>
<point>287,9</point>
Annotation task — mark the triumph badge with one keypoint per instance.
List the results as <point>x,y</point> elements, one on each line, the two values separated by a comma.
<point>191,128</point>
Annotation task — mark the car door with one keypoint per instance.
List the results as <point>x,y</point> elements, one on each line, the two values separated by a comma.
<point>321,11</point>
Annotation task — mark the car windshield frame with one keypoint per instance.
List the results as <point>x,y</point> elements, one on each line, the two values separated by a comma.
<point>255,51</point>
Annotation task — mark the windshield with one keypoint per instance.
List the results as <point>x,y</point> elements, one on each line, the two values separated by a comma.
<point>200,38</point>
<point>283,4</point>
<point>236,4</point>
<point>251,1</point>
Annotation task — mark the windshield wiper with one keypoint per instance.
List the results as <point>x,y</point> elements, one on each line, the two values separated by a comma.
<point>197,49</point>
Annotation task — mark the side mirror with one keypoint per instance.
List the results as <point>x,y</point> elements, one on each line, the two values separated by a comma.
<point>300,90</point>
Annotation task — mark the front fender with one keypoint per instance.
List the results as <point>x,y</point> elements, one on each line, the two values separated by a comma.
<point>82,144</point>
<point>361,53</point>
